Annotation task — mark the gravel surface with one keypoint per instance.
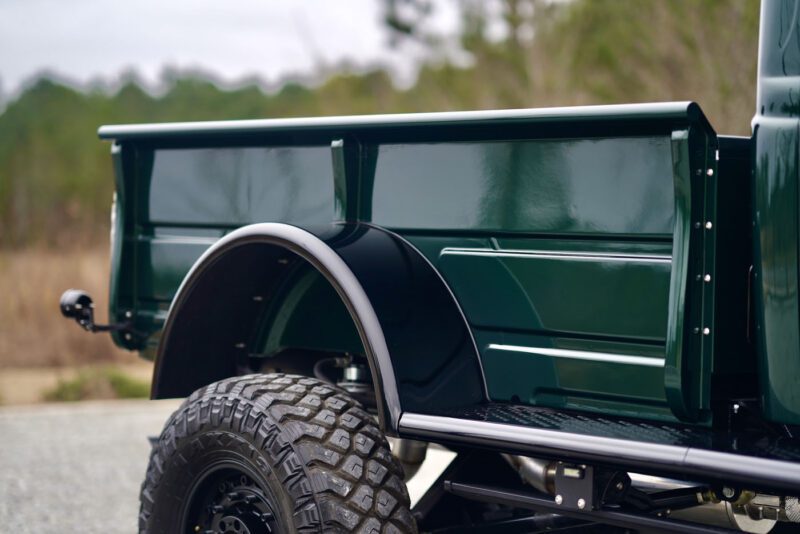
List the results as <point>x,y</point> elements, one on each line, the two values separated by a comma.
<point>75,467</point>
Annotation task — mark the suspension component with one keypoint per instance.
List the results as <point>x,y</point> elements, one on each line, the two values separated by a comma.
<point>411,454</point>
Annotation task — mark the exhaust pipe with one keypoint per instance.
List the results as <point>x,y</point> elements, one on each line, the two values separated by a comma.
<point>538,473</point>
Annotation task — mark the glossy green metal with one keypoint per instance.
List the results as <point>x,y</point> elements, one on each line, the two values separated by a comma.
<point>308,314</point>
<point>691,332</point>
<point>777,171</point>
<point>590,186</point>
<point>597,289</point>
<point>569,236</point>
<point>118,263</point>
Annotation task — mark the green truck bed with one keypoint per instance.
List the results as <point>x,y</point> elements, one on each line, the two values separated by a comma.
<point>569,236</point>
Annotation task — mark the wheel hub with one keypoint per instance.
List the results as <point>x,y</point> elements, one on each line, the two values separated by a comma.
<point>232,525</point>
<point>232,503</point>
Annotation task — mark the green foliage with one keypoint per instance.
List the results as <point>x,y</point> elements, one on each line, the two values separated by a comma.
<point>55,176</point>
<point>106,383</point>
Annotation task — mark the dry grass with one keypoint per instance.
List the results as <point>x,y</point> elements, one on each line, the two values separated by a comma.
<point>99,383</point>
<point>32,331</point>
<point>37,384</point>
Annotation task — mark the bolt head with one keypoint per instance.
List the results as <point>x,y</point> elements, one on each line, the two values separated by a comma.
<point>728,492</point>
<point>581,504</point>
<point>709,225</point>
<point>559,499</point>
<point>710,172</point>
<point>620,486</point>
<point>707,278</point>
<point>706,331</point>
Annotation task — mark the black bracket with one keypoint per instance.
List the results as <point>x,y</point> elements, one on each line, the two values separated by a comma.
<point>78,305</point>
<point>583,487</point>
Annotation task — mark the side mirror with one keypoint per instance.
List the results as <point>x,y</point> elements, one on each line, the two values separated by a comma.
<point>78,305</point>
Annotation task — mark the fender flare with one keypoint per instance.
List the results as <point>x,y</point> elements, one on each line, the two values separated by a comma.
<point>421,352</point>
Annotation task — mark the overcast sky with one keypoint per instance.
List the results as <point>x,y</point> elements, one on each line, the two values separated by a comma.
<point>82,40</point>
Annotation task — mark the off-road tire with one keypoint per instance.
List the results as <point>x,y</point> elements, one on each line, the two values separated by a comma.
<point>323,457</point>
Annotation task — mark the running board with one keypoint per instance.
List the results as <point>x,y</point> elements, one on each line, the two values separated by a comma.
<point>615,443</point>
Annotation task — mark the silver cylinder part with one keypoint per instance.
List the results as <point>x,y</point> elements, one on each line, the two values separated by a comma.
<point>410,453</point>
<point>536,472</point>
<point>741,517</point>
<point>724,514</point>
<point>657,483</point>
<point>356,373</point>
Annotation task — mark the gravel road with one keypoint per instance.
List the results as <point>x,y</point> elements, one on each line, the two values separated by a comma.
<point>75,467</point>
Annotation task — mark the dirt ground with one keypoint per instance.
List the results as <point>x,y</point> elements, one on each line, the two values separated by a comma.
<point>77,467</point>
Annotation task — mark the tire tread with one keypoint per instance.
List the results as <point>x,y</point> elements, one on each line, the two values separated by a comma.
<point>332,459</point>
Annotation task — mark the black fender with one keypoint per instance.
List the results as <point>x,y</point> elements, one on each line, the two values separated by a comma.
<point>420,349</point>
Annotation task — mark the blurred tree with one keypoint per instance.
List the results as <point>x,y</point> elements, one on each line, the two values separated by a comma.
<point>55,177</point>
<point>404,18</point>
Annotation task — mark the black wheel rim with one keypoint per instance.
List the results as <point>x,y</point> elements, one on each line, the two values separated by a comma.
<point>230,498</point>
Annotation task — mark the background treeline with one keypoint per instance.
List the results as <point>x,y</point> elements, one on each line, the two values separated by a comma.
<point>55,176</point>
